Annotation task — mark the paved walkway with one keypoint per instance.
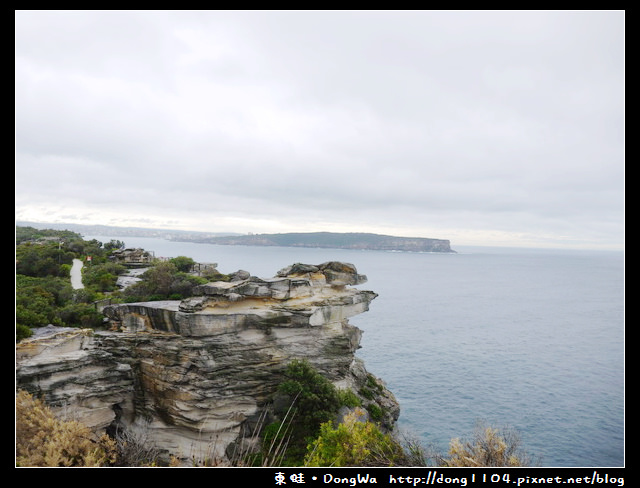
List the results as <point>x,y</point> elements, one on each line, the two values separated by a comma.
<point>76,275</point>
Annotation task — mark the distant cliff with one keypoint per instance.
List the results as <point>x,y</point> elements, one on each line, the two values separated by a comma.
<point>333,240</point>
<point>200,373</point>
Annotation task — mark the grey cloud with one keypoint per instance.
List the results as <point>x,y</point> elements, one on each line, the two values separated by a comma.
<point>416,121</point>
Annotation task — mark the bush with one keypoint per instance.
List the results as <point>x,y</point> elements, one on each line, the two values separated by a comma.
<point>487,447</point>
<point>40,260</point>
<point>312,400</point>
<point>82,315</point>
<point>22,332</point>
<point>44,301</point>
<point>354,443</point>
<point>348,398</point>
<point>135,448</point>
<point>102,277</point>
<point>316,399</point>
<point>162,281</point>
<point>375,412</point>
<point>183,263</point>
<point>35,303</point>
<point>42,440</point>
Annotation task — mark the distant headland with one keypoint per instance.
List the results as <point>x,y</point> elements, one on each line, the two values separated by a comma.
<point>332,240</point>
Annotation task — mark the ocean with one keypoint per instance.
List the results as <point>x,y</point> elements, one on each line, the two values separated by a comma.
<point>528,339</point>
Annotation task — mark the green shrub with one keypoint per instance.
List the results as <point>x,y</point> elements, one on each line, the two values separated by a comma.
<point>102,277</point>
<point>82,315</point>
<point>35,305</point>
<point>348,398</point>
<point>313,400</point>
<point>316,399</point>
<point>366,392</point>
<point>353,443</point>
<point>22,332</point>
<point>163,281</point>
<point>182,263</point>
<point>375,412</point>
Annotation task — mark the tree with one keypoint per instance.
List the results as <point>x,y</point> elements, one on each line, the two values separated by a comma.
<point>26,233</point>
<point>183,263</point>
<point>42,259</point>
<point>113,244</point>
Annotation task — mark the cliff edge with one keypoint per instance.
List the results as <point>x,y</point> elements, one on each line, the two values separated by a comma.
<point>197,374</point>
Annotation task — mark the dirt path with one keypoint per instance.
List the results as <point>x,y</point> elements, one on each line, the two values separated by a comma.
<point>76,275</point>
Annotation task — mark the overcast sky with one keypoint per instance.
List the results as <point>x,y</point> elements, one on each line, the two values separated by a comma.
<point>490,128</point>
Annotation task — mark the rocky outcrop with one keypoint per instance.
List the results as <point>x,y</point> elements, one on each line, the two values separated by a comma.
<point>198,373</point>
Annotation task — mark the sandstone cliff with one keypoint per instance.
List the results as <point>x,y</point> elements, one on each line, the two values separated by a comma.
<point>198,373</point>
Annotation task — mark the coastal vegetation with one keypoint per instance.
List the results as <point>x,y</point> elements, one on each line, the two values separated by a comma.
<point>162,281</point>
<point>44,294</point>
<point>308,429</point>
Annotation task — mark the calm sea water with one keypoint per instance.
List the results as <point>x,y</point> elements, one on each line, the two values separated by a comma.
<point>529,339</point>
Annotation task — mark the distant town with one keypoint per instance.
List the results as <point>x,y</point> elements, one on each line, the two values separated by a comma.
<point>115,231</point>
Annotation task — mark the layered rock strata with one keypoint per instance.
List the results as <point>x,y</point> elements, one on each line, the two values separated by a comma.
<point>197,374</point>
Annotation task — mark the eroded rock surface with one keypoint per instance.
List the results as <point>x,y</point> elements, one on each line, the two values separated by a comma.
<point>196,373</point>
